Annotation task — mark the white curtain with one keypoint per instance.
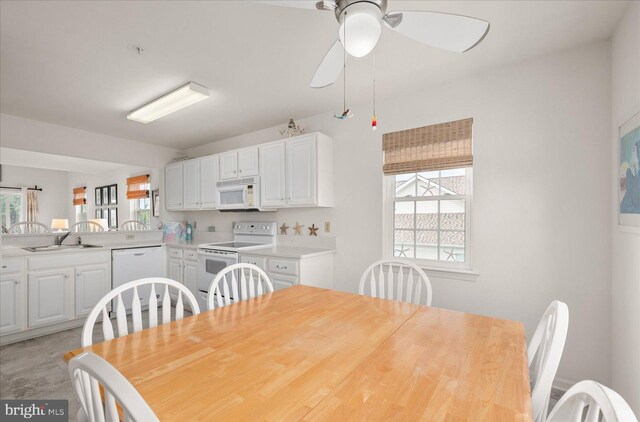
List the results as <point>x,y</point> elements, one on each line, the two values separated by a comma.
<point>32,205</point>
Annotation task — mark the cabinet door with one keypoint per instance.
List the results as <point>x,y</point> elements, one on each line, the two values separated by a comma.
<point>173,186</point>
<point>175,273</point>
<point>12,305</point>
<point>282,282</point>
<point>92,283</point>
<point>189,275</point>
<point>272,174</point>
<point>248,162</point>
<point>191,184</point>
<point>208,179</point>
<point>301,171</point>
<point>49,297</point>
<point>229,165</point>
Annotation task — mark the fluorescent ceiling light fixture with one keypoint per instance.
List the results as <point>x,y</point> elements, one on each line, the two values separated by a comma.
<point>176,100</point>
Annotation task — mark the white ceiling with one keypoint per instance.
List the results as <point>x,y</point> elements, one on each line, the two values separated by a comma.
<point>40,160</point>
<point>72,63</point>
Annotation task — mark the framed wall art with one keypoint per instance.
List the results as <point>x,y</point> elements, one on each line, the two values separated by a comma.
<point>629,174</point>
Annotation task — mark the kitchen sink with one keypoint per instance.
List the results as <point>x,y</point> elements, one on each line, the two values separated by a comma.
<point>59,247</point>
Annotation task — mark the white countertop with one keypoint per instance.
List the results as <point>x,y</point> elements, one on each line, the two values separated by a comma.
<point>296,252</point>
<point>17,251</point>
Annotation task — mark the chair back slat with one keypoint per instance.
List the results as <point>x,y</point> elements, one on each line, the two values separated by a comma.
<point>28,227</point>
<point>544,353</point>
<point>107,328</point>
<point>179,307</point>
<point>395,279</point>
<point>249,282</point>
<point>133,225</point>
<point>166,305</point>
<point>600,402</point>
<point>86,226</point>
<point>91,375</point>
<point>137,288</point>
<point>136,310</point>
<point>121,317</point>
<point>153,307</point>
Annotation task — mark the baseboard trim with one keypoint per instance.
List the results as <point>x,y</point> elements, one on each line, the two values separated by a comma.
<point>40,331</point>
<point>562,384</point>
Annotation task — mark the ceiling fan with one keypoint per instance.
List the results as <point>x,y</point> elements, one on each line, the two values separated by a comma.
<point>364,19</point>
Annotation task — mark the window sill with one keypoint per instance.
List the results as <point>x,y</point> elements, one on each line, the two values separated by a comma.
<point>451,273</point>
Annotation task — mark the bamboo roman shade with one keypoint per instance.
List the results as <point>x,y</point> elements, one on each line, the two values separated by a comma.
<point>136,188</point>
<point>79,196</point>
<point>437,147</point>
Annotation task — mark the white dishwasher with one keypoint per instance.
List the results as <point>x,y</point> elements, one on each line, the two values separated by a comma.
<point>132,264</point>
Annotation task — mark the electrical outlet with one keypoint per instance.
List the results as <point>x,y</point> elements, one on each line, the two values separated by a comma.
<point>130,236</point>
<point>327,226</point>
<point>194,225</point>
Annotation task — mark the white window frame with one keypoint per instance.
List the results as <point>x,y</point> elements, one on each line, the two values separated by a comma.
<point>135,207</point>
<point>388,214</point>
<point>23,203</point>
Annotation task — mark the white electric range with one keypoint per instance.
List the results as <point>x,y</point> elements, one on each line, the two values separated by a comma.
<point>214,257</point>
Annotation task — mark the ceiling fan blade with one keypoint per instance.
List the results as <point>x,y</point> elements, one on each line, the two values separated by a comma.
<point>302,4</point>
<point>442,30</point>
<point>330,67</point>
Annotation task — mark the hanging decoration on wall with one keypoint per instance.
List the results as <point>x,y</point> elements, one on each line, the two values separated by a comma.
<point>292,129</point>
<point>284,228</point>
<point>346,114</point>
<point>374,120</point>
<point>298,228</point>
<point>313,230</point>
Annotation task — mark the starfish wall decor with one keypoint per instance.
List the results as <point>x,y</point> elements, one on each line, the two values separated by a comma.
<point>313,230</point>
<point>284,228</point>
<point>298,228</point>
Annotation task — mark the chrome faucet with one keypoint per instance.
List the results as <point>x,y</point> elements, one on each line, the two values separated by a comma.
<point>61,238</point>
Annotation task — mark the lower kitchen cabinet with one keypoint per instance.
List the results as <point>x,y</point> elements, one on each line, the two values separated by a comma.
<point>315,270</point>
<point>92,282</point>
<point>12,291</point>
<point>50,297</point>
<point>190,276</point>
<point>183,268</point>
<point>282,281</point>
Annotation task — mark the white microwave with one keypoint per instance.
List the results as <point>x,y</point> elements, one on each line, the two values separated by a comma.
<point>239,194</point>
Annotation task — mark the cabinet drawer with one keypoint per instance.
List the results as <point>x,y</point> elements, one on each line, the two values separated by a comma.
<point>58,260</point>
<point>283,266</point>
<point>11,266</point>
<point>258,261</point>
<point>174,253</point>
<point>190,255</point>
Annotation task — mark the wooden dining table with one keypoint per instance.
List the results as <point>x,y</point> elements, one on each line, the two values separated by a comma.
<point>312,354</point>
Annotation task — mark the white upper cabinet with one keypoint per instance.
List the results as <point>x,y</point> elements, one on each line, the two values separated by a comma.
<point>248,162</point>
<point>173,186</point>
<point>191,184</point>
<point>208,179</point>
<point>229,165</point>
<point>301,171</point>
<point>272,174</point>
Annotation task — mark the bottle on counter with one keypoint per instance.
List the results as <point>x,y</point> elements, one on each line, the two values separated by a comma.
<point>189,232</point>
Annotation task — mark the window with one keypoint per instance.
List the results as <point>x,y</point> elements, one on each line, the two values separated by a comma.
<point>80,203</point>
<point>11,202</point>
<point>81,213</point>
<point>141,209</point>
<point>428,188</point>
<point>431,216</point>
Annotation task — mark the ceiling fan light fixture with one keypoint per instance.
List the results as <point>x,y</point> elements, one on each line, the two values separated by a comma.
<point>363,28</point>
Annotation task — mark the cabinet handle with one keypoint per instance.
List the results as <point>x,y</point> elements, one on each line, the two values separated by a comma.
<point>281,267</point>
<point>17,282</point>
<point>78,274</point>
<point>66,276</point>
<point>4,266</point>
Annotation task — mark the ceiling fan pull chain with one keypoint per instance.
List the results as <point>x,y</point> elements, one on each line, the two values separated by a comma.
<point>374,120</point>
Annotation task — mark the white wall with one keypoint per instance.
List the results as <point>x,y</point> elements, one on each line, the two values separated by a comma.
<point>540,231</point>
<point>54,199</point>
<point>32,135</point>
<point>625,290</point>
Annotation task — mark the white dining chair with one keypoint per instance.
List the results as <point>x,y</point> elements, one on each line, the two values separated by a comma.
<point>237,282</point>
<point>544,353</point>
<point>28,227</point>
<point>133,225</point>
<point>396,279</point>
<point>89,374</point>
<point>597,400</point>
<point>135,289</point>
<point>86,226</point>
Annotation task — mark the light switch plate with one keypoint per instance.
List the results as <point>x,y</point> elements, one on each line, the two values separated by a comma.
<point>327,226</point>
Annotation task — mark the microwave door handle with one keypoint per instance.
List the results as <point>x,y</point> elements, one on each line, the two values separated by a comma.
<point>244,196</point>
